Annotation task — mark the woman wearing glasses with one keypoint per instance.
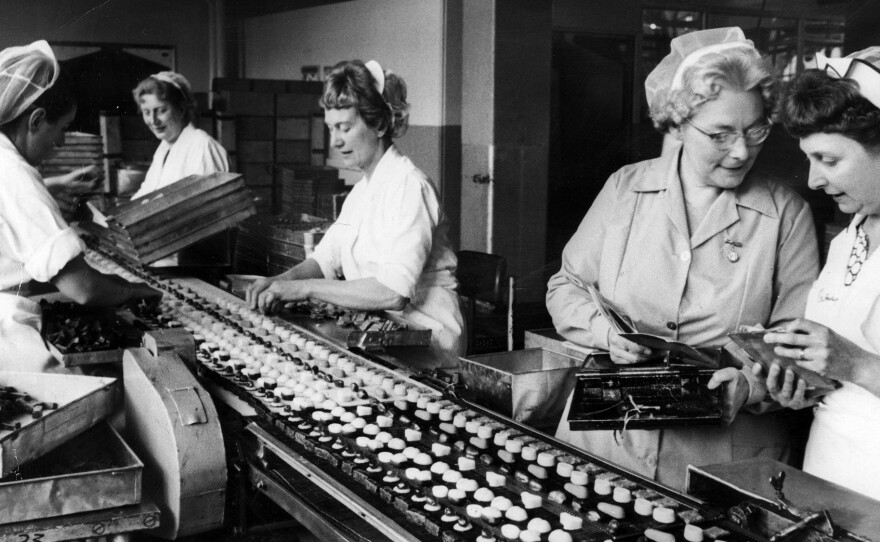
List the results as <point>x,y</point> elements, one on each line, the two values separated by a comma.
<point>691,246</point>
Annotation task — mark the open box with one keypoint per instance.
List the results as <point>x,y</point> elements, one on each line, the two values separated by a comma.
<point>93,471</point>
<point>82,402</point>
<point>529,386</point>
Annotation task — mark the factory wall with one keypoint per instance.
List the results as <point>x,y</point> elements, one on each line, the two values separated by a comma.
<point>418,39</point>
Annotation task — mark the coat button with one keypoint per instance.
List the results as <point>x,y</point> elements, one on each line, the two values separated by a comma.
<point>685,256</point>
<point>672,325</point>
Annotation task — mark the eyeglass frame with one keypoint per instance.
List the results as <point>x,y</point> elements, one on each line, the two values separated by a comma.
<point>738,133</point>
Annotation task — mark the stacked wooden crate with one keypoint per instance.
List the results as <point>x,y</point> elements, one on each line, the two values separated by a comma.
<point>80,149</point>
<point>269,246</point>
<point>278,123</point>
<point>308,189</point>
<point>172,218</point>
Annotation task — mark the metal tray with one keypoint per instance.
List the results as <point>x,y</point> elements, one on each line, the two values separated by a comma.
<point>82,402</point>
<point>529,385</point>
<point>93,471</point>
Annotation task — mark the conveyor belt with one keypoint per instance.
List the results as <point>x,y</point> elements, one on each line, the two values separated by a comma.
<point>379,449</point>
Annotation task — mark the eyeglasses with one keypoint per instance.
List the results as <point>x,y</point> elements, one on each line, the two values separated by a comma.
<point>725,140</point>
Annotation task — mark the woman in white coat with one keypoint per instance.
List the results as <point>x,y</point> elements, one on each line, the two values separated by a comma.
<point>168,108</point>
<point>36,105</point>
<point>836,114</point>
<point>390,244</point>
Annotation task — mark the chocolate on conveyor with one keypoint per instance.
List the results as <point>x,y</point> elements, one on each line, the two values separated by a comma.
<point>570,522</point>
<point>510,532</point>
<point>559,536</point>
<point>427,451</point>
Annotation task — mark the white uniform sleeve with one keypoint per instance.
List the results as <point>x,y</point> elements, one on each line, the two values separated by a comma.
<point>32,230</point>
<point>326,253</point>
<point>574,314</point>
<point>417,213</point>
<point>213,158</point>
<point>871,326</point>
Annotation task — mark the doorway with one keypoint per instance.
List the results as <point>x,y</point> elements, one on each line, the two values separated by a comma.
<point>591,128</point>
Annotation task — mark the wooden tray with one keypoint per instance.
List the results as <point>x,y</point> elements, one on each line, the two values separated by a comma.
<point>82,401</point>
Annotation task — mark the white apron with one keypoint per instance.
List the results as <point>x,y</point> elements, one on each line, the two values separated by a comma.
<point>844,444</point>
<point>21,347</point>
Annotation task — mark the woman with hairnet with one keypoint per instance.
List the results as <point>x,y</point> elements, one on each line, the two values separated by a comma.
<point>691,246</point>
<point>36,105</point>
<point>835,113</point>
<point>168,108</point>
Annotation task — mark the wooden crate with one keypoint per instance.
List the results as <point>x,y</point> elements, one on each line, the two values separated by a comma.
<point>175,217</point>
<point>277,122</point>
<point>307,189</point>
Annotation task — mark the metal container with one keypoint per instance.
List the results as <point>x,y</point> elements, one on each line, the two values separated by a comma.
<point>530,386</point>
<point>82,402</point>
<point>94,471</point>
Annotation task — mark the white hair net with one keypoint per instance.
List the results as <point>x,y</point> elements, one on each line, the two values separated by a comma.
<point>25,73</point>
<point>862,66</point>
<point>178,81</point>
<point>686,50</point>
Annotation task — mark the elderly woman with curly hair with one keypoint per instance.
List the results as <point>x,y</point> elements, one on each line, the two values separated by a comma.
<point>691,246</point>
<point>389,248</point>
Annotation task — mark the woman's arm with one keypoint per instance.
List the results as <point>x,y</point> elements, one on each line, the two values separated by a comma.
<point>305,281</point>
<point>85,285</point>
<point>308,269</point>
<point>359,294</point>
<point>821,349</point>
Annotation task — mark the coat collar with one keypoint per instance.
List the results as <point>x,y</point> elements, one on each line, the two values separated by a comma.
<point>386,166</point>
<point>753,193</point>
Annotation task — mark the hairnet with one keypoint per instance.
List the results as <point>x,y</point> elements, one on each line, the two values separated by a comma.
<point>862,66</point>
<point>378,74</point>
<point>686,50</point>
<point>25,73</point>
<point>177,81</point>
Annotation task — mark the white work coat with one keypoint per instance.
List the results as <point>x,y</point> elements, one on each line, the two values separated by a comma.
<point>392,228</point>
<point>634,245</point>
<point>35,244</point>
<point>194,153</point>
<point>844,444</point>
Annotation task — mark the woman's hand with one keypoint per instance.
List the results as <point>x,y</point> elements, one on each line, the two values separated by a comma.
<point>279,293</point>
<point>84,179</point>
<point>735,393</point>
<point>786,388</point>
<point>255,288</point>
<point>625,352</point>
<point>817,348</point>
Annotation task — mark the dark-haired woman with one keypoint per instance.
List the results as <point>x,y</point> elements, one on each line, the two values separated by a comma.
<point>390,242</point>
<point>836,115</point>
<point>36,105</point>
<point>168,107</point>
